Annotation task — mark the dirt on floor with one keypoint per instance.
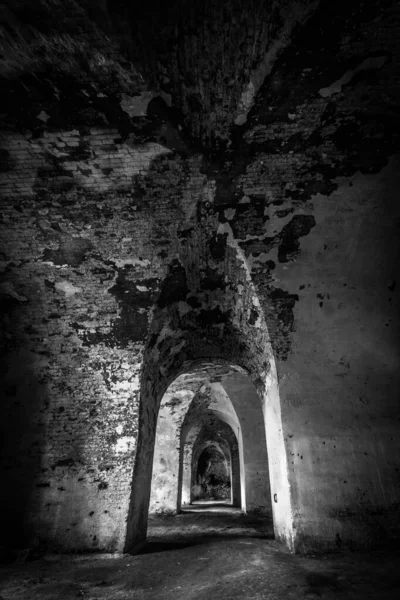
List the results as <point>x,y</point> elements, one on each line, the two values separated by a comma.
<point>218,554</point>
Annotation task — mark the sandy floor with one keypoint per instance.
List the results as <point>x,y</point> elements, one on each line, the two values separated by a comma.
<point>218,554</point>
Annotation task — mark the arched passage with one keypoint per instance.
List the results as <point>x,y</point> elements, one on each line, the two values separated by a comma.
<point>219,435</point>
<point>190,402</point>
<point>164,483</point>
<point>212,474</point>
<point>208,320</point>
<point>242,391</point>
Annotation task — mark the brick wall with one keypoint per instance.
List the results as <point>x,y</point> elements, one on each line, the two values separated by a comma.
<point>127,252</point>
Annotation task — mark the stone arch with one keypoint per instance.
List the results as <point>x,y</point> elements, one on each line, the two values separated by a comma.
<point>222,450</point>
<point>208,314</point>
<point>182,408</point>
<point>164,496</point>
<point>188,439</point>
<point>190,430</point>
<point>219,434</point>
<point>268,395</point>
<point>250,426</point>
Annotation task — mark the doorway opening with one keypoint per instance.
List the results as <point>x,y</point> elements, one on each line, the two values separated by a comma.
<point>219,438</point>
<point>212,476</point>
<point>215,409</point>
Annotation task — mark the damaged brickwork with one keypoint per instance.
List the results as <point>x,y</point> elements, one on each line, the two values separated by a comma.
<point>148,224</point>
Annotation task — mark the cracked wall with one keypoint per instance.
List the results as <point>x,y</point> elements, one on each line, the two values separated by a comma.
<point>134,242</point>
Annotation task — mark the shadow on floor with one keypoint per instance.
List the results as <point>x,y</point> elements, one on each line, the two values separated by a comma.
<point>203,523</point>
<point>155,545</point>
<point>231,568</point>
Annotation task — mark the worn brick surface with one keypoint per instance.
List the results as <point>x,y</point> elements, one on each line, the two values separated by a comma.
<point>136,240</point>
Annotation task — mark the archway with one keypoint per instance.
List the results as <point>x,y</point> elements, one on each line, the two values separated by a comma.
<point>165,476</point>
<point>189,404</point>
<point>197,437</point>
<point>208,323</point>
<point>242,391</point>
<point>212,474</point>
<point>218,435</point>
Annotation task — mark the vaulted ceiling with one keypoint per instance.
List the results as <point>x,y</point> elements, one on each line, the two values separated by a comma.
<point>206,60</point>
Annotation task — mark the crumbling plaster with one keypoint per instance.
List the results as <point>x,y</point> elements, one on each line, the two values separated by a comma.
<point>135,243</point>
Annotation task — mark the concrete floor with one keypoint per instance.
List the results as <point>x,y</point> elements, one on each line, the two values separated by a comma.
<point>209,554</point>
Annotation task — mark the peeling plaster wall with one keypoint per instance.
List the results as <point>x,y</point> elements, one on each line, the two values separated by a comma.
<point>335,289</point>
<point>133,242</point>
<point>340,390</point>
<point>79,282</point>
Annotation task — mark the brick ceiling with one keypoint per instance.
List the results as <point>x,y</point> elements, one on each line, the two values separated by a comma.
<point>206,59</point>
